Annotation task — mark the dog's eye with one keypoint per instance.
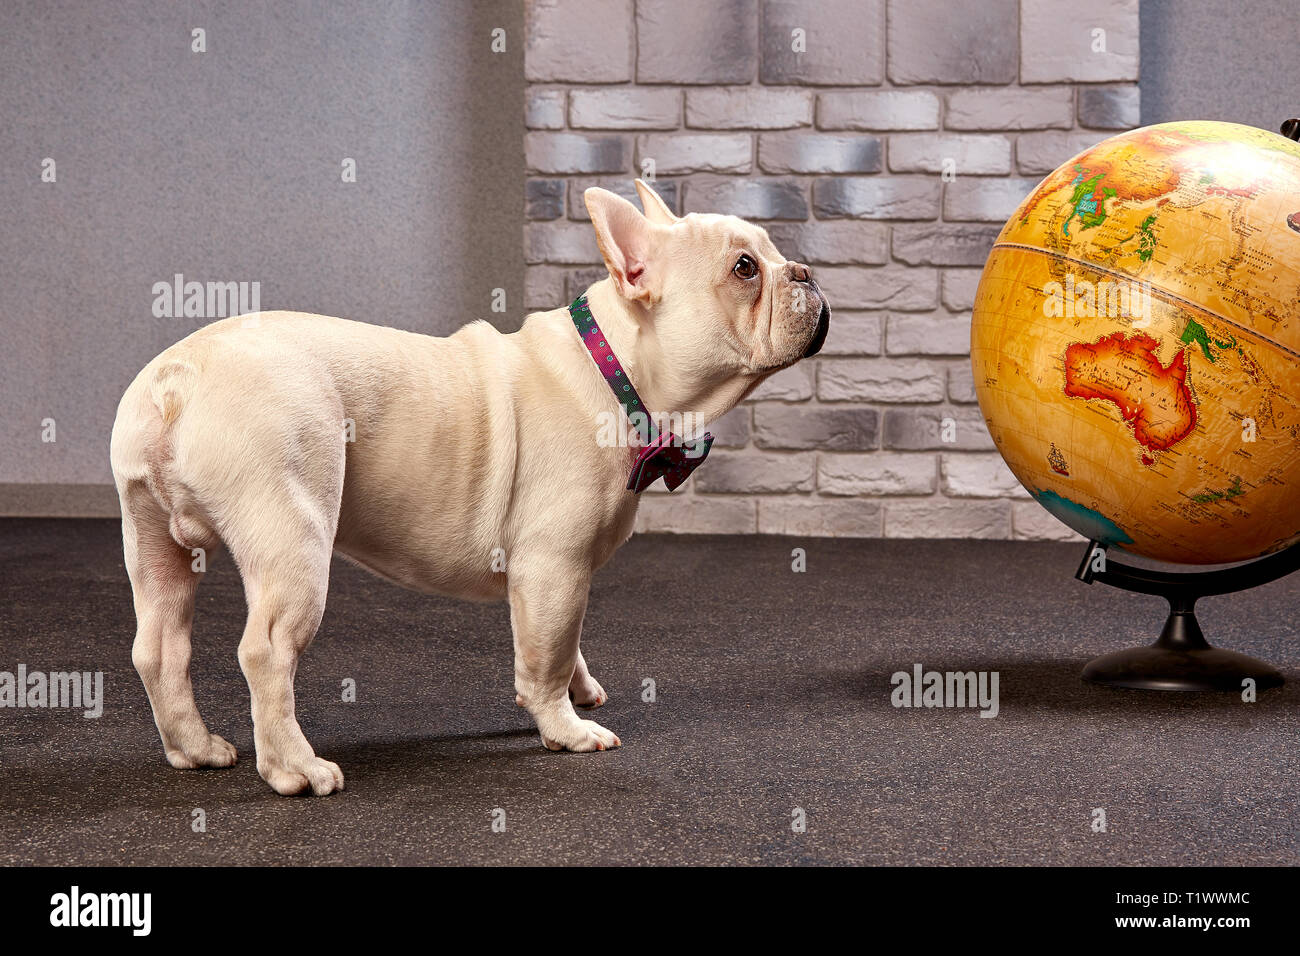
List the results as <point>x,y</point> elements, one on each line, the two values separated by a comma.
<point>745,268</point>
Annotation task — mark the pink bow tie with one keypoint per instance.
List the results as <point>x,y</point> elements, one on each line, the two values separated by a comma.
<point>670,458</point>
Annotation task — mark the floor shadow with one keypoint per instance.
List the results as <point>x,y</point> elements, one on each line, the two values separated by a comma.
<point>114,783</point>
<point>1049,684</point>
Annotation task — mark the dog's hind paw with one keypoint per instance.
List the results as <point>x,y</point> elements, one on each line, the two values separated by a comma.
<point>320,776</point>
<point>214,752</point>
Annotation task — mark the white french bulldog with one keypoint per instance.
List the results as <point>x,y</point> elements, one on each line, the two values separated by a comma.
<point>477,445</point>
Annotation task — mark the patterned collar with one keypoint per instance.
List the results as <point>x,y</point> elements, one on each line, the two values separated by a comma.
<point>663,455</point>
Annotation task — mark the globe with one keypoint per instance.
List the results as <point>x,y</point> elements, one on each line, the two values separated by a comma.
<point>1135,342</point>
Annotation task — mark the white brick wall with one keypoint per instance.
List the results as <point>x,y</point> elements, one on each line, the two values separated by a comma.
<point>840,151</point>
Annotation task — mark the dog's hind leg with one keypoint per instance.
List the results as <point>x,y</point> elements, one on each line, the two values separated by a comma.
<point>163,584</point>
<point>285,561</point>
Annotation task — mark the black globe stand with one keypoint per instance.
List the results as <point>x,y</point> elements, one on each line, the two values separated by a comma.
<point>1182,659</point>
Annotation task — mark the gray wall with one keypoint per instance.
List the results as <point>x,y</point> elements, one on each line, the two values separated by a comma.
<point>226,165</point>
<point>1234,61</point>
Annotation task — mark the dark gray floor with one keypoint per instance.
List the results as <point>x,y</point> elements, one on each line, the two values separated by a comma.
<point>773,693</point>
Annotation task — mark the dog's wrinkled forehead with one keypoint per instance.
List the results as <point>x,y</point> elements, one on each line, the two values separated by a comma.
<point>731,233</point>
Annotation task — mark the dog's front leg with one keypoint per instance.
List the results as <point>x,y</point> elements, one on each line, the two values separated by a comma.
<point>546,609</point>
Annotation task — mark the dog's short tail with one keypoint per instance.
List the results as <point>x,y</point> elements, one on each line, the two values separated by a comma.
<point>171,385</point>
<point>142,450</point>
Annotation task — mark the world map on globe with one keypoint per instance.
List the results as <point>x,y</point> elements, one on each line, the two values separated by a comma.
<point>1135,342</point>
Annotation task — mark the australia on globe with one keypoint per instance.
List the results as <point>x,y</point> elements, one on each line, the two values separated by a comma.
<point>1135,342</point>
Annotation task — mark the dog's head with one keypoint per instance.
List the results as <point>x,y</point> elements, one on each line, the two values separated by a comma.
<point>718,293</point>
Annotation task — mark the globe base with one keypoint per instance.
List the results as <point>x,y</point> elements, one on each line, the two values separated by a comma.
<point>1164,668</point>
<point>1182,659</point>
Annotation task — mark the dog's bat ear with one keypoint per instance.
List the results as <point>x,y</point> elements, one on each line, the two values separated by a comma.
<point>656,210</point>
<point>623,235</point>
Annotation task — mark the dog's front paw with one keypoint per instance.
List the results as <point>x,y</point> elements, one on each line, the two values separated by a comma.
<point>213,752</point>
<point>586,692</point>
<point>582,736</point>
<point>294,776</point>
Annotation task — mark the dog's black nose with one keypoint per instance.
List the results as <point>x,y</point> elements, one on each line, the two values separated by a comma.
<point>800,272</point>
<point>819,334</point>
